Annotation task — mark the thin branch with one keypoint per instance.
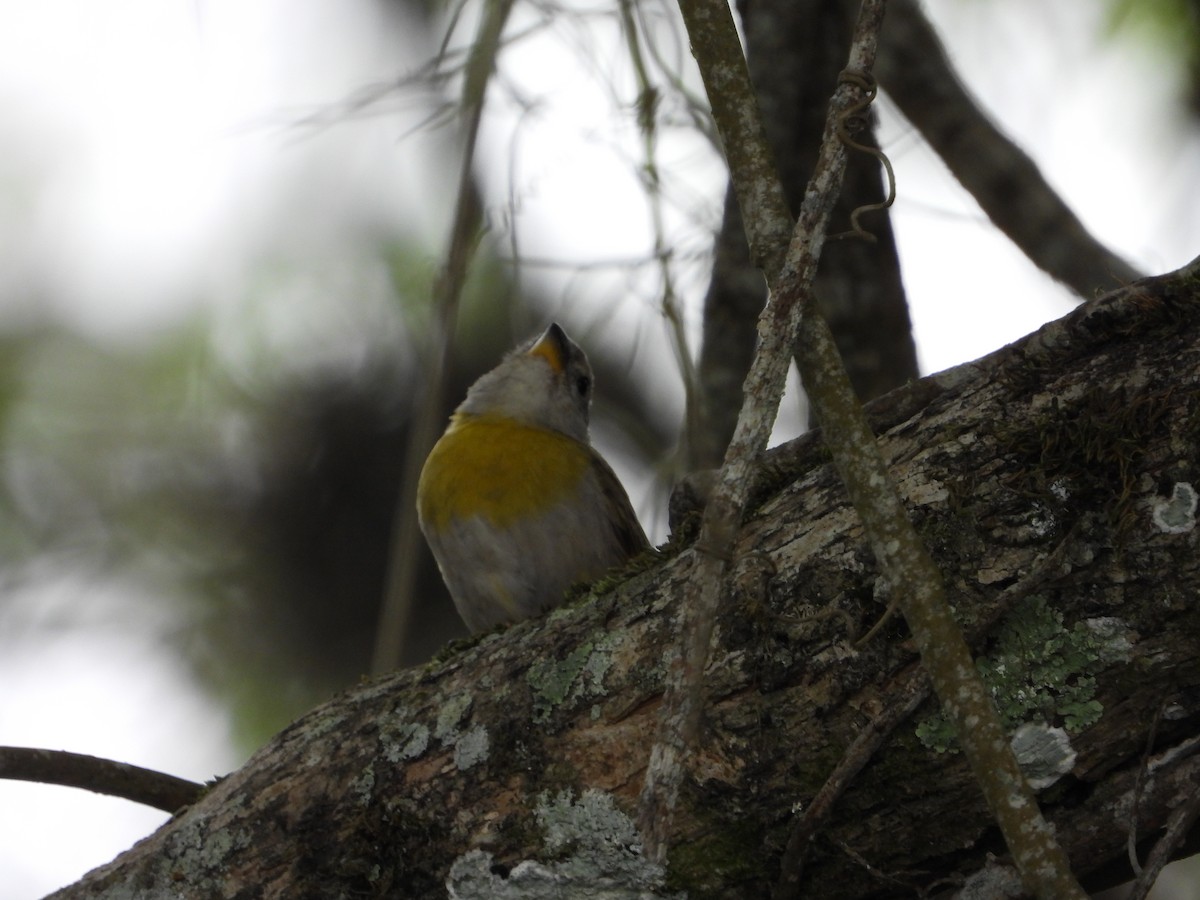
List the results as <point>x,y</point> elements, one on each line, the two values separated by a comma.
<point>102,776</point>
<point>1131,838</point>
<point>468,216</point>
<point>1006,183</point>
<point>648,101</point>
<point>1178,826</point>
<point>916,585</point>
<point>723,68</point>
<point>907,569</point>
<point>760,195</point>
<point>902,702</point>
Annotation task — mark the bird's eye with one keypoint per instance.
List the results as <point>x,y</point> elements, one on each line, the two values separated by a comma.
<point>583,384</point>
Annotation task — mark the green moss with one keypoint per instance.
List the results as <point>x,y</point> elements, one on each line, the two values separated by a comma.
<point>1037,669</point>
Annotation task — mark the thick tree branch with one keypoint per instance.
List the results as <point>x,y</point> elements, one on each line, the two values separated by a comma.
<point>1067,458</point>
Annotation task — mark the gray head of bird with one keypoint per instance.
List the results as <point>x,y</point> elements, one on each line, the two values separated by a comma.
<point>546,383</point>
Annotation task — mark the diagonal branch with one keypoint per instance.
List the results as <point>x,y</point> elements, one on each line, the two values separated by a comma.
<point>1178,826</point>
<point>1006,183</point>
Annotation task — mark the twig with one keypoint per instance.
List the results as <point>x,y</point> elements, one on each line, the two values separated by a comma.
<point>902,703</point>
<point>1136,793</point>
<point>103,776</point>
<point>1178,826</point>
<point>468,217</point>
<point>714,39</point>
<point>647,107</point>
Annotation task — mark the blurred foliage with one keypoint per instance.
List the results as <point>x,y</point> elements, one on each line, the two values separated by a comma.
<point>251,491</point>
<point>1172,26</point>
<point>242,469</point>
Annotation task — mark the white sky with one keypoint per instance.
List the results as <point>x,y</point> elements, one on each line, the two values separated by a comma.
<point>146,168</point>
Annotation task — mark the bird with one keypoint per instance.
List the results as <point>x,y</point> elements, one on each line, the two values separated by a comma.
<point>515,503</point>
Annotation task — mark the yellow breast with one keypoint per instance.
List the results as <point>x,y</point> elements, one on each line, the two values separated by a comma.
<point>498,470</point>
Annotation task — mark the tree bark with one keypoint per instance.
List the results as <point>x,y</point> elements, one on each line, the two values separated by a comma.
<point>1056,483</point>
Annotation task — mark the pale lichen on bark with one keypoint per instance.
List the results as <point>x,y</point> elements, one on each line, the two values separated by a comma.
<point>594,851</point>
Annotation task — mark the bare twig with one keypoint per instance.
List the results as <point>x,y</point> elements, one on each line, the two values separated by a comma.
<point>468,214</point>
<point>1178,826</point>
<point>647,107</point>
<point>103,776</point>
<point>1131,838</point>
<point>710,28</point>
<point>902,702</point>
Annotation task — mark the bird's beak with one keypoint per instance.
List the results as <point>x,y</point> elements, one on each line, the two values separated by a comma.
<point>553,345</point>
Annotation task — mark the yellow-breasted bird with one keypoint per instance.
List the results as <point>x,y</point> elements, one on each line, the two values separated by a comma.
<point>514,501</point>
